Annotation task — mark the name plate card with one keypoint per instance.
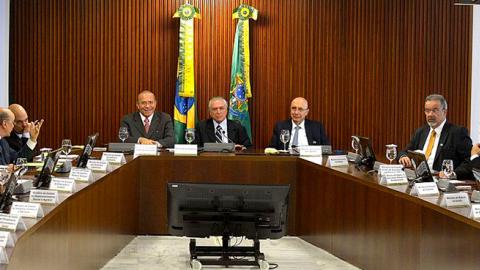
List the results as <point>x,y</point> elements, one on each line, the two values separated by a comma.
<point>337,161</point>
<point>392,175</point>
<point>62,184</point>
<point>114,158</point>
<point>475,212</point>
<point>452,200</point>
<point>26,209</point>
<point>98,165</point>
<point>81,174</point>
<point>145,150</point>
<point>311,151</point>
<point>386,168</point>
<point>185,150</point>
<point>12,222</point>
<point>425,189</point>
<point>6,239</point>
<point>43,196</point>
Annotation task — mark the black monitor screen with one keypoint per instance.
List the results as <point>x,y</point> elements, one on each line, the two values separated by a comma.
<point>420,165</point>
<point>87,150</point>
<point>366,151</point>
<point>203,210</point>
<point>43,179</point>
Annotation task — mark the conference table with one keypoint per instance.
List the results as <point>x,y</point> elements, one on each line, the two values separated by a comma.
<point>343,210</point>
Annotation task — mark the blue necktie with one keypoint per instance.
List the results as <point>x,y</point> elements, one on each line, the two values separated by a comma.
<point>295,137</point>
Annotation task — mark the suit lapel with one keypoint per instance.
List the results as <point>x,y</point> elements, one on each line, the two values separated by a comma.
<point>231,131</point>
<point>423,137</point>
<point>139,124</point>
<point>308,132</point>
<point>442,140</point>
<point>210,130</point>
<point>155,123</point>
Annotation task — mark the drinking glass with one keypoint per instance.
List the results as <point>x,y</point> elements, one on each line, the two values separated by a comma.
<point>123,134</point>
<point>66,146</point>
<point>21,162</point>
<point>391,152</point>
<point>189,135</point>
<point>284,137</point>
<point>447,167</point>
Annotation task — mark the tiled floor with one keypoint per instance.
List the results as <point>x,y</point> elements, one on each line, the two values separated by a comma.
<point>167,252</point>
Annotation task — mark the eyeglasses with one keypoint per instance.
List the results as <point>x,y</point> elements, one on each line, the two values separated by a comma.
<point>435,111</point>
<point>293,109</point>
<point>21,121</point>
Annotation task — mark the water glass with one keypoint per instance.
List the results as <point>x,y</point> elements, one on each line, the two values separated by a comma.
<point>447,167</point>
<point>391,152</point>
<point>66,146</point>
<point>284,137</point>
<point>189,135</point>
<point>123,133</point>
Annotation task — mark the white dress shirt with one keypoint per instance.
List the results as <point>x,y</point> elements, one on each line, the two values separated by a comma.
<point>223,124</point>
<point>302,135</point>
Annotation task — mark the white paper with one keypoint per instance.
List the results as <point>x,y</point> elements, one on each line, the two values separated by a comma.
<point>337,161</point>
<point>62,184</point>
<point>425,189</point>
<point>12,222</point>
<point>475,211</point>
<point>458,199</point>
<point>26,209</point>
<point>97,165</point>
<point>310,151</point>
<point>6,239</point>
<point>81,174</point>
<point>145,150</point>
<point>185,150</point>
<point>43,196</point>
<point>114,158</point>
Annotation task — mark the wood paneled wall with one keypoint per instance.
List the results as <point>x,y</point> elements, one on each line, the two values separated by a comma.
<point>365,66</point>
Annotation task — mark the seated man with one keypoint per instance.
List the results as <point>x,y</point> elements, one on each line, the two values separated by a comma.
<point>464,171</point>
<point>7,154</point>
<point>220,129</point>
<point>148,126</point>
<point>439,139</point>
<point>302,131</point>
<point>20,134</point>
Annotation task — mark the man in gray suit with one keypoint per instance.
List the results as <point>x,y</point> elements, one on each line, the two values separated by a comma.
<point>148,126</point>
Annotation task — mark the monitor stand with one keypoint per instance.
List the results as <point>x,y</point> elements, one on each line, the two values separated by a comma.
<point>226,255</point>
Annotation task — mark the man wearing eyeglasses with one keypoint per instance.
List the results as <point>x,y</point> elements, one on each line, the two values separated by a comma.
<point>439,139</point>
<point>464,171</point>
<point>302,131</point>
<point>20,133</point>
<point>7,154</point>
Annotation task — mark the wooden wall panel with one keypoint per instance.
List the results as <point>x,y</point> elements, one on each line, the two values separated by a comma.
<point>365,66</point>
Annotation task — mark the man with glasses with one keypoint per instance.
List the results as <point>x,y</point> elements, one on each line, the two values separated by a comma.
<point>438,139</point>
<point>20,133</point>
<point>148,126</point>
<point>303,131</point>
<point>220,129</point>
<point>7,154</point>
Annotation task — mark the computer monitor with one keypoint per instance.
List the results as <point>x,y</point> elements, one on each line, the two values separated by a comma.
<point>203,210</point>
<point>6,196</point>
<point>227,210</point>
<point>87,150</point>
<point>43,179</point>
<point>420,166</point>
<point>365,150</point>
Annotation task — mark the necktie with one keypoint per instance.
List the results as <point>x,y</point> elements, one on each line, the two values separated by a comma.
<point>295,137</point>
<point>218,134</point>
<point>431,141</point>
<point>147,125</point>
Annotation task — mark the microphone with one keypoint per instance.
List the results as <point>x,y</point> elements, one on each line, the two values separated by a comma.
<point>225,136</point>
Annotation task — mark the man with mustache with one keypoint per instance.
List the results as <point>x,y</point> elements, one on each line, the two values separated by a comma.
<point>439,139</point>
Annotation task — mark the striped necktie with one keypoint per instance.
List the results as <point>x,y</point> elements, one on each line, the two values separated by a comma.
<point>218,134</point>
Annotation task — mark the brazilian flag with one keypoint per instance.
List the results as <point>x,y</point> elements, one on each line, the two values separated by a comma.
<point>240,89</point>
<point>184,108</point>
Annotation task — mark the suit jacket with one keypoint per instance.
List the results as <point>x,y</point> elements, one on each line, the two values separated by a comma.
<point>314,130</point>
<point>235,132</point>
<point>15,142</point>
<point>8,155</point>
<point>454,144</point>
<point>464,171</point>
<point>161,128</point>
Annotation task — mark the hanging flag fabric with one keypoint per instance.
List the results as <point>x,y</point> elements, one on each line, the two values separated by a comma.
<point>240,89</point>
<point>184,108</point>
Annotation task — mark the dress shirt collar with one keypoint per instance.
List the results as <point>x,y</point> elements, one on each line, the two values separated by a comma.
<point>439,129</point>
<point>302,125</point>
<point>143,118</point>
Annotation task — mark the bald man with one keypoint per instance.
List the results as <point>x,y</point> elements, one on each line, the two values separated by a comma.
<point>7,154</point>
<point>148,126</point>
<point>20,133</point>
<point>302,131</point>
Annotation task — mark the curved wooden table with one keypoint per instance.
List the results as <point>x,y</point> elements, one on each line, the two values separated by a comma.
<point>343,211</point>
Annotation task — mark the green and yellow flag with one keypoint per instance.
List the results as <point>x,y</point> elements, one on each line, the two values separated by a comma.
<point>240,89</point>
<point>184,108</point>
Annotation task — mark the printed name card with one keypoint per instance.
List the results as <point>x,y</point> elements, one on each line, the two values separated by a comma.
<point>98,165</point>
<point>6,239</point>
<point>387,168</point>
<point>62,184</point>
<point>475,211</point>
<point>185,150</point>
<point>392,175</point>
<point>425,189</point>
<point>114,158</point>
<point>337,161</point>
<point>311,151</point>
<point>459,199</point>
<point>145,150</point>
<point>81,174</point>
<point>26,209</point>
<point>43,196</point>
<point>12,222</point>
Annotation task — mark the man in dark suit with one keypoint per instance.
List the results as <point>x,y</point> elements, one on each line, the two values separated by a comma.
<point>148,126</point>
<point>464,171</point>
<point>220,129</point>
<point>20,133</point>
<point>7,154</point>
<point>439,139</point>
<point>303,131</point>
